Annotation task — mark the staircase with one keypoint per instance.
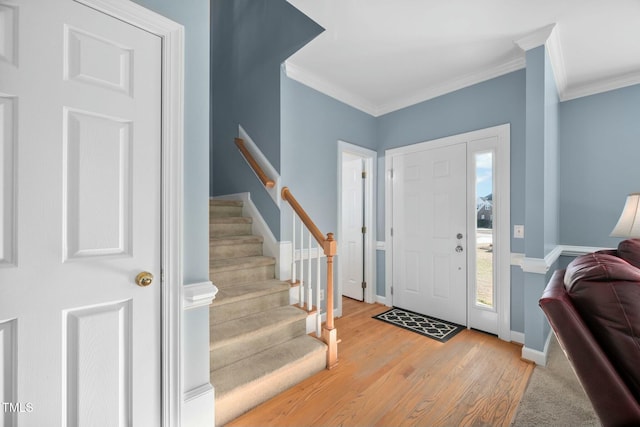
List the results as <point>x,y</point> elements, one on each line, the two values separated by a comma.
<point>259,345</point>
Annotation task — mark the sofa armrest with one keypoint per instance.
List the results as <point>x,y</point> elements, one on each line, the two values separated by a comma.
<point>611,398</point>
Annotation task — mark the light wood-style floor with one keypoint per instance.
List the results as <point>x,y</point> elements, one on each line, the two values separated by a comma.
<point>388,376</point>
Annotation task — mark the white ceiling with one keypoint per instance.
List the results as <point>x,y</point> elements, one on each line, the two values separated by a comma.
<point>383,55</point>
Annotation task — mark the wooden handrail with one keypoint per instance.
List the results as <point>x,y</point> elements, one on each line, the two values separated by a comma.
<point>329,246</point>
<point>262,176</point>
<point>304,217</point>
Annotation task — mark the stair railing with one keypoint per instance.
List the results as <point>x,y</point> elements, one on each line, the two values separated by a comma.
<point>329,247</point>
<point>262,176</point>
<point>328,333</point>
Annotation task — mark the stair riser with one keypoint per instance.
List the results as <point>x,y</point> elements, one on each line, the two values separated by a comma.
<point>233,404</point>
<point>235,251</point>
<point>242,308</point>
<point>246,275</point>
<point>225,211</point>
<point>221,357</point>
<point>220,230</point>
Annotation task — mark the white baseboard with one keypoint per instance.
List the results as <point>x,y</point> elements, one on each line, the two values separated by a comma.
<point>539,357</point>
<point>198,409</point>
<point>517,337</point>
<point>382,300</point>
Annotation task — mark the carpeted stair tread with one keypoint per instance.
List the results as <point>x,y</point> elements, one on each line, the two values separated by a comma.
<point>230,220</point>
<point>261,364</point>
<point>247,291</point>
<point>225,333</point>
<point>225,202</point>
<point>235,240</point>
<point>226,264</point>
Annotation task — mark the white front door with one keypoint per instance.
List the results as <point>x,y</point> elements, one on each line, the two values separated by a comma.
<point>352,215</point>
<point>449,221</point>
<point>80,121</point>
<point>429,223</point>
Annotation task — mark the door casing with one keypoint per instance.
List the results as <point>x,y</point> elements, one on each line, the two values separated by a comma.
<point>370,160</point>
<point>502,210</point>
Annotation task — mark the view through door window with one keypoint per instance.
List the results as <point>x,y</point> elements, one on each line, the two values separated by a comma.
<point>484,294</point>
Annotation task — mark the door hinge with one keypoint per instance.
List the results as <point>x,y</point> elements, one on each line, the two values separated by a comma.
<point>392,290</point>
<point>391,231</point>
<point>364,230</point>
<point>364,174</point>
<point>364,285</point>
<point>391,172</point>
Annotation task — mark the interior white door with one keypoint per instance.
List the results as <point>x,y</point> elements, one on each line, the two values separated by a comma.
<point>80,153</point>
<point>429,223</point>
<point>352,245</point>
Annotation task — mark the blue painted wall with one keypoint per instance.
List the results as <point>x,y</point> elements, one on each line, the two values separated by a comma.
<point>541,202</point>
<point>250,40</point>
<point>534,153</point>
<point>312,124</point>
<point>599,154</point>
<point>551,158</point>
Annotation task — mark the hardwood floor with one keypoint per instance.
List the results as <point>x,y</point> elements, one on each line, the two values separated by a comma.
<point>388,376</point>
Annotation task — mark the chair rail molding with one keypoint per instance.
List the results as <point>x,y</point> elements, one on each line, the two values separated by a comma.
<point>542,265</point>
<point>198,295</point>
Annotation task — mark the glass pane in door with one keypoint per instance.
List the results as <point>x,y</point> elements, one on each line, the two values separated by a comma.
<point>485,283</point>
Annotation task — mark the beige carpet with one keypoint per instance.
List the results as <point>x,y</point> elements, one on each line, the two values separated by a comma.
<point>554,397</point>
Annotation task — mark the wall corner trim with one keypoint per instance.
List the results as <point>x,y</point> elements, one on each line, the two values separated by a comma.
<point>199,295</point>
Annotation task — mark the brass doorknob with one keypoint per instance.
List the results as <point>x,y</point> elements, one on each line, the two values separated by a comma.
<point>144,279</point>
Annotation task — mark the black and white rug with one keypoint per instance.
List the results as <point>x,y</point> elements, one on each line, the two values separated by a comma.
<point>437,329</point>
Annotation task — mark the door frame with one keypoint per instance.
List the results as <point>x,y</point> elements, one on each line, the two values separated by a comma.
<point>172,107</point>
<point>502,210</point>
<point>370,158</point>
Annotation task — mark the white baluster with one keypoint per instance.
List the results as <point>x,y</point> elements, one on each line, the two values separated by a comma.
<point>301,290</point>
<point>293,249</point>
<point>309,294</point>
<point>318,282</point>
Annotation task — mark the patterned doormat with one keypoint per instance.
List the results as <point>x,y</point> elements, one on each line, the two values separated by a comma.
<point>437,329</point>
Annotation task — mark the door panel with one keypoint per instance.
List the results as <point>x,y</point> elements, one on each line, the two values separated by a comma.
<point>429,210</point>
<point>7,180</point>
<point>352,217</point>
<point>82,168</point>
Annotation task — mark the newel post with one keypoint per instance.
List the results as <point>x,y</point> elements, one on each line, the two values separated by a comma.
<point>329,333</point>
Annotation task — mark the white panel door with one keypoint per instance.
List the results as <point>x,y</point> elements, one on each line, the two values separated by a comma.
<point>429,211</point>
<point>80,138</point>
<point>352,245</point>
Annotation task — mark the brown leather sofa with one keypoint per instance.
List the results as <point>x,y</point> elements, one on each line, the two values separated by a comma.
<point>594,309</point>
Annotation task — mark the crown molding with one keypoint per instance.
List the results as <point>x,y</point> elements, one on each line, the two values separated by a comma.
<point>320,84</point>
<point>601,85</point>
<point>537,38</point>
<point>316,82</point>
<point>556,56</point>
<point>548,36</point>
